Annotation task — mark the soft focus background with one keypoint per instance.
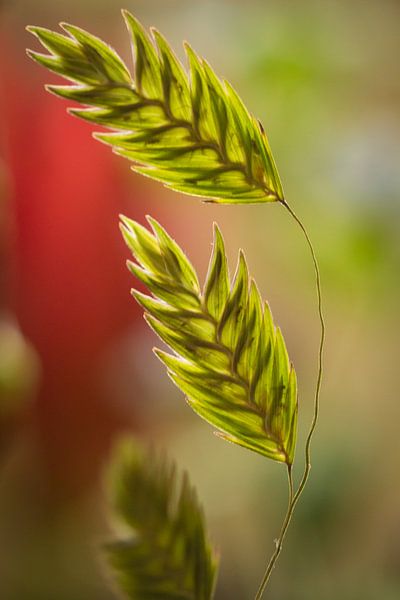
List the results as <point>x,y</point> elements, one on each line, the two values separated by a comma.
<point>76,368</point>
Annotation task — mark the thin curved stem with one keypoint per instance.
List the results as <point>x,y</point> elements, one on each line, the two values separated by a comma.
<point>320,355</point>
<point>279,541</point>
<point>293,498</point>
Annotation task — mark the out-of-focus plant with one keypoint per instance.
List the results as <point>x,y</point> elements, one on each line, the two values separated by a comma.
<point>193,133</point>
<point>19,370</point>
<point>166,554</point>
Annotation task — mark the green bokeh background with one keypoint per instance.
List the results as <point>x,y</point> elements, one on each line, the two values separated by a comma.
<point>323,78</point>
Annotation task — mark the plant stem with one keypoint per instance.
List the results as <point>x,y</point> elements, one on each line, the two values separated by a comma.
<point>320,355</point>
<point>294,498</point>
<point>279,541</point>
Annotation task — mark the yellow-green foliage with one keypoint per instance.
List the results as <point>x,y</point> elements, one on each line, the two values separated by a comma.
<point>229,359</point>
<point>190,131</point>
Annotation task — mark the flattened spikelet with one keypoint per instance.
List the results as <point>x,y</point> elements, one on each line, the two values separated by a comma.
<point>167,555</point>
<point>229,359</point>
<point>189,130</point>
